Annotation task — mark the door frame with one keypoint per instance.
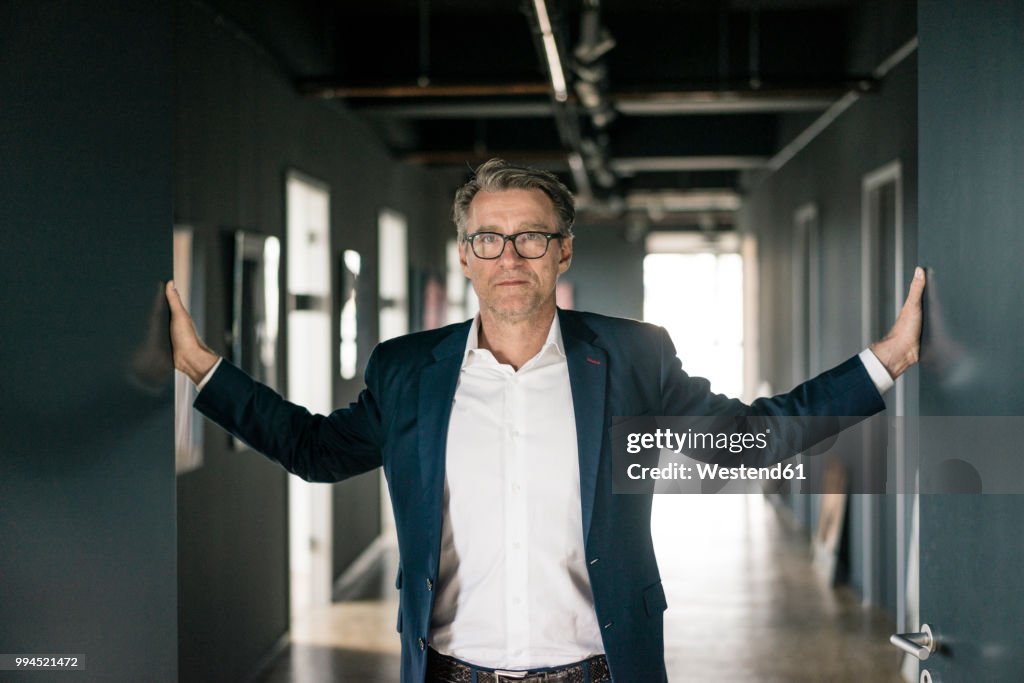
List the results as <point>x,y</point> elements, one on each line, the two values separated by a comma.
<point>891,172</point>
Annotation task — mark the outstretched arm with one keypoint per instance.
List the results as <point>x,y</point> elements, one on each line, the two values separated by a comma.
<point>901,348</point>
<point>191,355</point>
<point>315,447</point>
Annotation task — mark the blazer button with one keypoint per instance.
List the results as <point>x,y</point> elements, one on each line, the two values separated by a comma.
<point>595,560</point>
<point>423,644</point>
<point>609,624</point>
<point>430,585</point>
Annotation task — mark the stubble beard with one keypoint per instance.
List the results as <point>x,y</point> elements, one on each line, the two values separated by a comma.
<point>520,308</point>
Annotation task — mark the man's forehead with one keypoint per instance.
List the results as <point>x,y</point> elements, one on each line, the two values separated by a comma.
<point>529,208</point>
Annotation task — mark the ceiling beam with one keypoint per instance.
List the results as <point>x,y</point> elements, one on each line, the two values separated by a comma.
<point>418,104</point>
<point>684,200</point>
<point>557,160</point>
<point>631,165</point>
<point>551,160</point>
<point>459,110</point>
<point>672,103</point>
<point>408,90</point>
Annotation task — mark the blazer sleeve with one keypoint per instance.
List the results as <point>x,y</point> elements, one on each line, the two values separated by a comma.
<point>813,411</point>
<point>317,448</point>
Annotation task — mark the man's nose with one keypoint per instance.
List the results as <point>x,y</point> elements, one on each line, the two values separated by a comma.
<point>508,252</point>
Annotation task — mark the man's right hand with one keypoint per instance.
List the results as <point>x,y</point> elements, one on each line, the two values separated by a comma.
<point>191,355</point>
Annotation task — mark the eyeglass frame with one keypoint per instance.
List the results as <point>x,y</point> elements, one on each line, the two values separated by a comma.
<point>512,238</point>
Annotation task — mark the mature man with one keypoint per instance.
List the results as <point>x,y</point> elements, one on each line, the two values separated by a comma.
<point>494,437</point>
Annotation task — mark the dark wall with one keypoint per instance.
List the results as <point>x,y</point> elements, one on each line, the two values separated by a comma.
<point>877,29</point>
<point>874,131</point>
<point>87,537</point>
<point>607,272</point>
<point>239,127</point>
<point>972,238</point>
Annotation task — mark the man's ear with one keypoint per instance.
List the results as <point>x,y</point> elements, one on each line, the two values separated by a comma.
<point>565,255</point>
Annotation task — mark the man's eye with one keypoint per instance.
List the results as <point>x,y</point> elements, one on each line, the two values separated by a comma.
<point>487,238</point>
<point>532,237</point>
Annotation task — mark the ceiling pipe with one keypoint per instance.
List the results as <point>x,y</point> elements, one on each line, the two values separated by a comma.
<point>591,85</point>
<point>580,178</point>
<point>595,40</point>
<point>563,109</point>
<point>812,131</point>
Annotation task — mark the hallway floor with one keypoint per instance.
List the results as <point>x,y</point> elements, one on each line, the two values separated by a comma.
<point>745,606</point>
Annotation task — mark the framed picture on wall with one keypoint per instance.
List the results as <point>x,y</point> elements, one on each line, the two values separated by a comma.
<point>255,306</point>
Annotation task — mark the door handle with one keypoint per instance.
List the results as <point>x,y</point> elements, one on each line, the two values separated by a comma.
<point>920,644</point>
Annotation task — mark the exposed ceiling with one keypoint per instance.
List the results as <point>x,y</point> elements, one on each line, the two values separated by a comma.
<point>667,105</point>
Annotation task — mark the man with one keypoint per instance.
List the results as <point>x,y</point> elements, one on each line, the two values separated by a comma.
<point>493,435</point>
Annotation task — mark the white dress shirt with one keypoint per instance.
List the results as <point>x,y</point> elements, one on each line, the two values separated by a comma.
<point>513,589</point>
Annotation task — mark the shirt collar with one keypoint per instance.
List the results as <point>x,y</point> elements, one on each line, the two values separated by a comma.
<point>552,342</point>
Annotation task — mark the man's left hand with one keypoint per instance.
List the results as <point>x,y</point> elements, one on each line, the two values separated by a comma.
<point>901,348</point>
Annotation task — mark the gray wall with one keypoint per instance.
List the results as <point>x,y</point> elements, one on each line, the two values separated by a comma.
<point>239,127</point>
<point>607,271</point>
<point>873,132</point>
<point>87,537</point>
<point>972,238</point>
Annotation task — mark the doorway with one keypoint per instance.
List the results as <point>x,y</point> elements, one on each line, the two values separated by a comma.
<point>887,531</point>
<point>393,320</point>
<point>309,382</point>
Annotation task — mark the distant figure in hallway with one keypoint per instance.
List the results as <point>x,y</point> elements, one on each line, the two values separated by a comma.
<point>493,435</point>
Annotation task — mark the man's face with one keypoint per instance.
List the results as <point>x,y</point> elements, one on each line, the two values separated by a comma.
<point>511,287</point>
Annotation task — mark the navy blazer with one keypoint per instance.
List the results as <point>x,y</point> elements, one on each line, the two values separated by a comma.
<point>399,422</point>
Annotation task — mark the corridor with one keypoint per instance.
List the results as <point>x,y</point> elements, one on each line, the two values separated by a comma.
<point>769,172</point>
<point>745,606</point>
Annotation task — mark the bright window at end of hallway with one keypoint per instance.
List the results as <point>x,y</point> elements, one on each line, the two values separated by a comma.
<point>693,287</point>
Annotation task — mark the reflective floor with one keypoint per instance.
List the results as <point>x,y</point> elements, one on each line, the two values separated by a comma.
<point>745,606</point>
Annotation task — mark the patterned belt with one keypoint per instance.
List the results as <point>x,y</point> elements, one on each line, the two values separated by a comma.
<point>444,669</point>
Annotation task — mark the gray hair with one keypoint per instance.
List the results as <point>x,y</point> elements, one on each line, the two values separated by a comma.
<point>497,175</point>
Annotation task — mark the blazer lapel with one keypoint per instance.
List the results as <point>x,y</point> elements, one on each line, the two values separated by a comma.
<point>436,393</point>
<point>588,375</point>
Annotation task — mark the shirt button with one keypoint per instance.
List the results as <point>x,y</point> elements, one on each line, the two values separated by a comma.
<point>430,585</point>
<point>515,487</point>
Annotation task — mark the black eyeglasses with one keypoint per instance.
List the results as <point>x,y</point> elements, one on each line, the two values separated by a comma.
<point>530,244</point>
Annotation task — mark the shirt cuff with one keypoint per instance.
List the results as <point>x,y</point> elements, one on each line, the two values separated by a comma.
<point>207,376</point>
<point>879,375</point>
